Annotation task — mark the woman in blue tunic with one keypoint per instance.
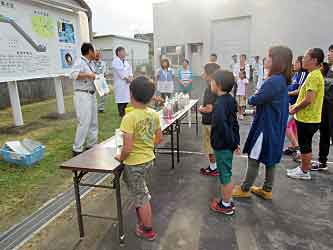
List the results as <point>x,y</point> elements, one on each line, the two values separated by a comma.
<point>266,137</point>
<point>185,78</point>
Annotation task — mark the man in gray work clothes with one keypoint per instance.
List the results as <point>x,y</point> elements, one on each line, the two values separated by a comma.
<point>84,74</point>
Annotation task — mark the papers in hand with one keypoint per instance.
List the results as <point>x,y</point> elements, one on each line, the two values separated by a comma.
<point>101,85</point>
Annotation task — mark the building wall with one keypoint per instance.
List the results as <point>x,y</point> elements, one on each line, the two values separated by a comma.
<point>299,25</point>
<point>295,24</point>
<point>179,23</point>
<point>140,49</point>
<point>138,52</point>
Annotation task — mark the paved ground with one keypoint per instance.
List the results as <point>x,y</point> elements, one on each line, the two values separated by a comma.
<point>300,217</point>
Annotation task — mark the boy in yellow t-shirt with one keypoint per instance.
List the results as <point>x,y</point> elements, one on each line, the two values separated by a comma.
<point>142,131</point>
<point>307,111</point>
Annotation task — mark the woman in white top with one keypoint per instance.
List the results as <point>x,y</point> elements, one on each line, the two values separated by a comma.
<point>242,66</point>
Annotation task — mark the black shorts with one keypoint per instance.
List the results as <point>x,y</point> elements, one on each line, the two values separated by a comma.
<point>121,109</point>
<point>305,133</point>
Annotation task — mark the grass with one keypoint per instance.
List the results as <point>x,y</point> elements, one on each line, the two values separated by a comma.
<point>23,190</point>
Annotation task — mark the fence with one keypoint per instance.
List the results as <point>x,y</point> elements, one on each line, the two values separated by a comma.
<point>34,90</point>
<point>41,89</point>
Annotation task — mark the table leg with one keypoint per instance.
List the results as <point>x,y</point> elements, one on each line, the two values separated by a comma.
<point>119,207</point>
<point>172,147</point>
<point>76,181</point>
<point>196,119</point>
<point>178,132</point>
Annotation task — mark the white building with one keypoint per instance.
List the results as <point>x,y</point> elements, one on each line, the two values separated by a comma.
<point>227,27</point>
<point>137,50</point>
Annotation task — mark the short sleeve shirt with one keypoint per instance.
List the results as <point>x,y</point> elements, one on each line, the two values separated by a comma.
<point>241,87</point>
<point>208,99</point>
<point>82,65</point>
<point>142,124</point>
<point>312,113</point>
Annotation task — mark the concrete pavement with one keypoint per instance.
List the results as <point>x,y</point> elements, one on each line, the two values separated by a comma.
<point>300,216</point>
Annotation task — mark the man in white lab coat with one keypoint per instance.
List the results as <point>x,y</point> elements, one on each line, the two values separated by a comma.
<point>84,74</point>
<point>122,76</point>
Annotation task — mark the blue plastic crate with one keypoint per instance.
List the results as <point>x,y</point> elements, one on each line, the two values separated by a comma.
<point>23,160</point>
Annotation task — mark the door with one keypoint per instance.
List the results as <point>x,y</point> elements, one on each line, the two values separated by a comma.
<point>229,37</point>
<point>196,59</point>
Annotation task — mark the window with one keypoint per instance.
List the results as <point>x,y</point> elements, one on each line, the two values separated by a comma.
<point>194,48</point>
<point>171,49</point>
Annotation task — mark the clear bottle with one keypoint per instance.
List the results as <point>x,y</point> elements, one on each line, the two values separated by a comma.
<point>119,140</point>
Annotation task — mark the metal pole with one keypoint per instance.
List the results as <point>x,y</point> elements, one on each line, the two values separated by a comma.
<point>119,206</point>
<point>76,182</point>
<point>15,103</point>
<point>196,119</point>
<point>59,96</point>
<point>132,60</point>
<point>178,132</point>
<point>172,147</point>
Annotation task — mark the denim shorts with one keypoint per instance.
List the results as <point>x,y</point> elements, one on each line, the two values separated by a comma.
<point>135,178</point>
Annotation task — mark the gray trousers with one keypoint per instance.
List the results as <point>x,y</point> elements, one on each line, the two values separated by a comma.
<point>101,103</point>
<point>252,173</point>
<point>86,114</point>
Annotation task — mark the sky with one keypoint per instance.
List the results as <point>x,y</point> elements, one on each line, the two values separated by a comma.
<point>122,17</point>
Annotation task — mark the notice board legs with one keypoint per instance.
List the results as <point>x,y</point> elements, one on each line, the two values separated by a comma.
<point>59,96</point>
<point>15,103</point>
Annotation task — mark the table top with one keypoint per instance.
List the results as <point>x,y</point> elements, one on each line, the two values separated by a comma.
<point>101,158</point>
<point>165,122</point>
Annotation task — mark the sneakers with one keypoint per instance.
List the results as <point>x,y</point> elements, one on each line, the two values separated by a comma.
<point>297,173</point>
<point>296,156</point>
<point>290,150</point>
<point>217,200</point>
<point>262,193</point>
<point>150,235</point>
<point>317,166</point>
<point>239,193</point>
<point>217,206</point>
<point>75,153</point>
<point>208,172</point>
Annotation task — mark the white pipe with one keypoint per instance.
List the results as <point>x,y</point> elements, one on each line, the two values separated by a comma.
<point>67,7</point>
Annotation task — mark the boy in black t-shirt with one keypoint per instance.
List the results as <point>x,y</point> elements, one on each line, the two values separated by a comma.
<point>206,110</point>
<point>224,137</point>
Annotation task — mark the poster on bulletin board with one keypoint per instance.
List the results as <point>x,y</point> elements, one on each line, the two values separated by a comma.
<point>36,41</point>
